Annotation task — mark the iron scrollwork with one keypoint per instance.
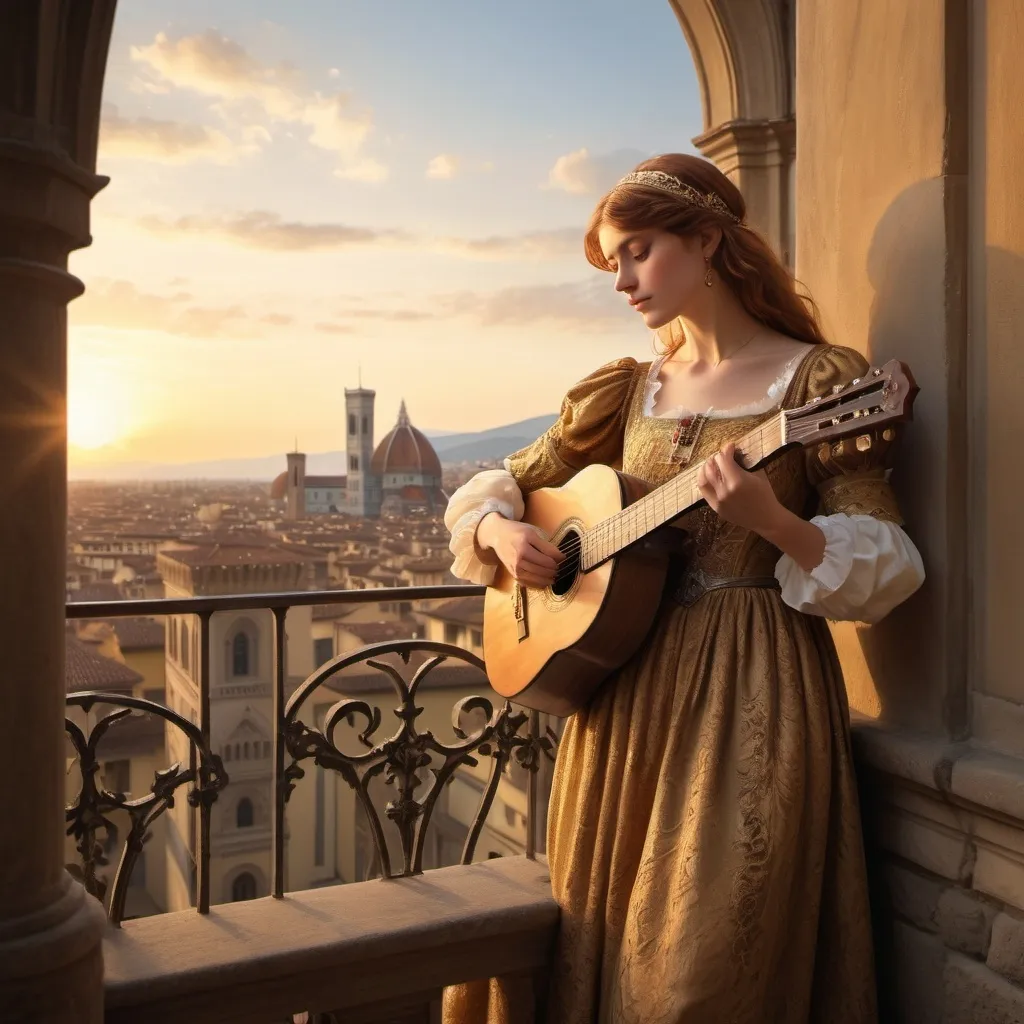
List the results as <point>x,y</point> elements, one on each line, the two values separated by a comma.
<point>404,757</point>
<point>90,812</point>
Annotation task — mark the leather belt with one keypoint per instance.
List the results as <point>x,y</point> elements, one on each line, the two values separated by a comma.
<point>695,583</point>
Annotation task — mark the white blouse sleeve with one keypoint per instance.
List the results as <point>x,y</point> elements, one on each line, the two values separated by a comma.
<point>494,490</point>
<point>870,566</point>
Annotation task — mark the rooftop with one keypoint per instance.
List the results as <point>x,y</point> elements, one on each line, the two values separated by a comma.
<point>84,669</point>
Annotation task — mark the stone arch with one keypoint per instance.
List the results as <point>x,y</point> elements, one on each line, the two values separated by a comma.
<point>743,52</point>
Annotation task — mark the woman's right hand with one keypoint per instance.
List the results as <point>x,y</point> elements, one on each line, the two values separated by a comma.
<point>521,549</point>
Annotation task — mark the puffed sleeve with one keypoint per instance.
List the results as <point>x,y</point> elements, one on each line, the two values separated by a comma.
<point>589,429</point>
<point>870,564</point>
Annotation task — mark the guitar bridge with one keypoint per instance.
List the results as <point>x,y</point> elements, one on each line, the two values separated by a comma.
<point>519,610</point>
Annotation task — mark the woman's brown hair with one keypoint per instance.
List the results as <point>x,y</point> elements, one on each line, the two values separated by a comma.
<point>743,259</point>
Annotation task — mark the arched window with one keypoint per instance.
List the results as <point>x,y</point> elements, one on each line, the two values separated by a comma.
<point>245,750</point>
<point>227,752</point>
<point>243,888</point>
<point>185,659</point>
<point>244,813</point>
<point>242,647</point>
<point>240,655</point>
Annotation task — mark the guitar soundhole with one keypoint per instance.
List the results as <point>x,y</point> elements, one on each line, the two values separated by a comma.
<point>569,570</point>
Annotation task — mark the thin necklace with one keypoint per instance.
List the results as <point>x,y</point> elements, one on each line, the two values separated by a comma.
<point>757,331</point>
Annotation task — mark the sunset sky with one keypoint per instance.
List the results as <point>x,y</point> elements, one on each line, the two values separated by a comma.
<point>300,190</point>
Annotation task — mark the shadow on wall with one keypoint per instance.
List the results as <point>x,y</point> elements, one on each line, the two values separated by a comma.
<point>916,317</point>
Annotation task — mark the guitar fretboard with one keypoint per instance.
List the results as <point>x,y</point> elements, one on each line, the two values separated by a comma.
<point>671,499</point>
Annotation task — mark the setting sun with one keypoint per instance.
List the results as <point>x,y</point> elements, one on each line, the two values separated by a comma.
<point>91,422</point>
<point>99,406</point>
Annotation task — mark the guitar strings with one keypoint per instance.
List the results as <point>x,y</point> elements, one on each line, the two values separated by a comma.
<point>608,529</point>
<point>645,511</point>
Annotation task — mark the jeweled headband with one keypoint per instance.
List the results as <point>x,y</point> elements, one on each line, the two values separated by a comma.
<point>665,182</point>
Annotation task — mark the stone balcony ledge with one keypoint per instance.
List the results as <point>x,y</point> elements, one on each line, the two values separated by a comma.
<point>345,947</point>
<point>965,773</point>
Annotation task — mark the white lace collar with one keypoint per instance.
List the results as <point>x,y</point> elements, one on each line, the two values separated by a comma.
<point>772,399</point>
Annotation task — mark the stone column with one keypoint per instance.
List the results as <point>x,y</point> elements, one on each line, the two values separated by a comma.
<point>53,55</point>
<point>911,238</point>
<point>743,55</point>
<point>882,208</point>
<point>758,156</point>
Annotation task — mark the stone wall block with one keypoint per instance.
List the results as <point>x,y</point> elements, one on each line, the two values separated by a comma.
<point>965,921</point>
<point>918,960</point>
<point>914,896</point>
<point>976,995</point>
<point>1006,950</point>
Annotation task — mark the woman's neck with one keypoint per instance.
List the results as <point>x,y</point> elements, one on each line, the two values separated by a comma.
<point>716,332</point>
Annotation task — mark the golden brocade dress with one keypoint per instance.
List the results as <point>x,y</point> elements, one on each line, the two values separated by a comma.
<point>704,835</point>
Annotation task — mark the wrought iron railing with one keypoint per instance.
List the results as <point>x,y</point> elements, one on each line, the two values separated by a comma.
<point>402,758</point>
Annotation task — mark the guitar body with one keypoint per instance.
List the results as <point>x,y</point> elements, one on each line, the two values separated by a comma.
<point>550,649</point>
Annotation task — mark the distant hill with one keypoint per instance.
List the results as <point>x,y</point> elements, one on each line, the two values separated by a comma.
<point>490,444</point>
<point>495,443</point>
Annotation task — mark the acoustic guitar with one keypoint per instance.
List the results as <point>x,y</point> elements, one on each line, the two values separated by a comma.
<point>550,649</point>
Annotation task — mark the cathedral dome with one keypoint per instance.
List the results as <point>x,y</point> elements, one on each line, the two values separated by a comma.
<point>279,488</point>
<point>405,450</point>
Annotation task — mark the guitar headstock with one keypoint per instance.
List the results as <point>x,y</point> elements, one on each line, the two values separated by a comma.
<point>883,396</point>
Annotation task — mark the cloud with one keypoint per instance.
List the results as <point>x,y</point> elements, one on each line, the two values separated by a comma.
<point>583,173</point>
<point>215,66</point>
<point>444,166</point>
<point>119,304</point>
<point>555,243</point>
<point>367,169</point>
<point>392,315</point>
<point>277,319</point>
<point>144,138</point>
<point>260,229</point>
<point>326,328</point>
<point>590,305</point>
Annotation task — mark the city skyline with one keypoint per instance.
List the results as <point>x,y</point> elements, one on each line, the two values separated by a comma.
<point>356,191</point>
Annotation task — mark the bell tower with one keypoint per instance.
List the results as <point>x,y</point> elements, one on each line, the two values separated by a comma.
<point>296,490</point>
<point>360,487</point>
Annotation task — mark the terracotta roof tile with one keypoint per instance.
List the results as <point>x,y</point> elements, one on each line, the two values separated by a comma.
<point>86,670</point>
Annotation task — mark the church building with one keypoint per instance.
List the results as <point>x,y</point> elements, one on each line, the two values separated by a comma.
<point>400,476</point>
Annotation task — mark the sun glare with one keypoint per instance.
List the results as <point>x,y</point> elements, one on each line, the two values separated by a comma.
<point>98,408</point>
<point>91,422</point>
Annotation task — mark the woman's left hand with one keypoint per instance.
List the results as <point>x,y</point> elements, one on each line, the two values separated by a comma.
<point>738,496</point>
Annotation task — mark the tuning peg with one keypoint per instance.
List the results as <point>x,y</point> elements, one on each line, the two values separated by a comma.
<point>836,388</point>
<point>864,442</point>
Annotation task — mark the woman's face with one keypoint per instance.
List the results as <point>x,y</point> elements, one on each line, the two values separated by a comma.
<point>659,272</point>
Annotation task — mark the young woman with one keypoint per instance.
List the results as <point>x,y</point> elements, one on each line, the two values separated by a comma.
<point>704,834</point>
